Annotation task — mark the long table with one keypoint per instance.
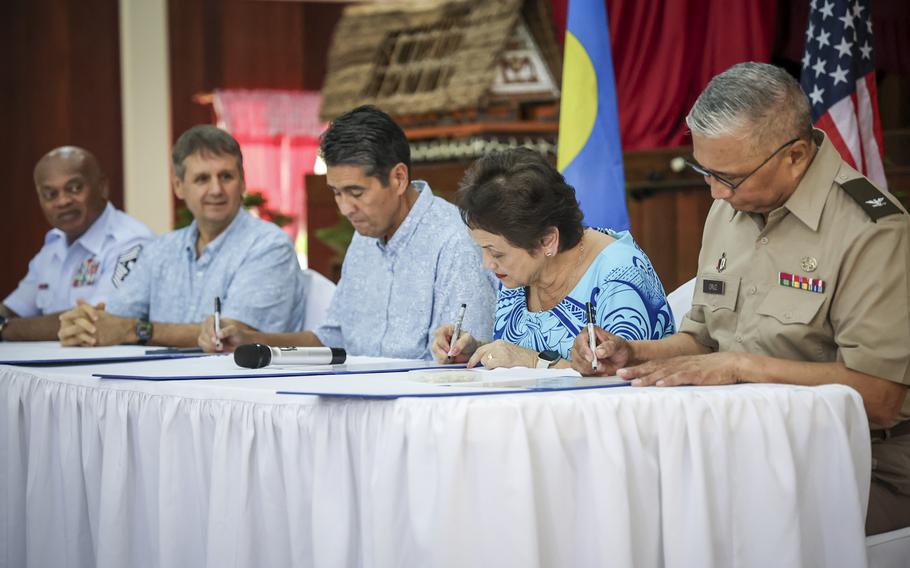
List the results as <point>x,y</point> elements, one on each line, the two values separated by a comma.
<point>116,473</point>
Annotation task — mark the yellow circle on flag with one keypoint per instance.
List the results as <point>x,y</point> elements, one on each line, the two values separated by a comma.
<point>578,107</point>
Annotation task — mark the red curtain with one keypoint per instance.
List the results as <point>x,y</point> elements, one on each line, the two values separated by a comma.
<point>665,52</point>
<point>278,132</point>
<point>891,24</point>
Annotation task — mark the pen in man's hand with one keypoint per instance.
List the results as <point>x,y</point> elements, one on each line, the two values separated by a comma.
<point>218,322</point>
<point>457,331</point>
<point>592,343</point>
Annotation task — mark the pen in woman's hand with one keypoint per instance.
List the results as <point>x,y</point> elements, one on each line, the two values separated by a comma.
<point>592,343</point>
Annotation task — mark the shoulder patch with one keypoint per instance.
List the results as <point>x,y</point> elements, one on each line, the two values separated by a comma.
<point>125,263</point>
<point>870,198</point>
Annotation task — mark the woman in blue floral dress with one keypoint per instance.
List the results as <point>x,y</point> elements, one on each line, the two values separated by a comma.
<point>527,221</point>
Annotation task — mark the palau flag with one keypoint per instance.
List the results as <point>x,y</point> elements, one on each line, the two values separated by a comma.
<point>589,154</point>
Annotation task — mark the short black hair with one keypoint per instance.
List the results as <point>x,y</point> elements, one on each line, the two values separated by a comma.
<point>205,139</point>
<point>519,195</point>
<point>366,137</point>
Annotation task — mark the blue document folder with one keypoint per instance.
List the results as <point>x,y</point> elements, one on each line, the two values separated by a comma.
<point>281,371</point>
<point>62,360</point>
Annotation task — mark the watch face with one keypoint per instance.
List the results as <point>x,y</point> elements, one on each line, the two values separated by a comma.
<point>549,355</point>
<point>143,331</point>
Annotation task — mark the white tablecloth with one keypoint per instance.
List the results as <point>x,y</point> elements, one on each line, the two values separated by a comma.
<point>226,473</point>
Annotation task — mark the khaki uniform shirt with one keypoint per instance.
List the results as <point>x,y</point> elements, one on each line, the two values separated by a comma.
<point>858,316</point>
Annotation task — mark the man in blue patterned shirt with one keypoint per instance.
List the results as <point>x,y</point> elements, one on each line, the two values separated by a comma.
<point>411,263</point>
<point>247,263</point>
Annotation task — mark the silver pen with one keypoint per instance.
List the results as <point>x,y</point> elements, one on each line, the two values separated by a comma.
<point>591,341</point>
<point>218,322</point>
<point>459,319</point>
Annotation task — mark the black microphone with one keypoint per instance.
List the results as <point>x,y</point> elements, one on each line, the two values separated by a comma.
<point>257,355</point>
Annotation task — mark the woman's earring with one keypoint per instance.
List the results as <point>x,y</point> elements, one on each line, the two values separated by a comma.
<point>548,253</point>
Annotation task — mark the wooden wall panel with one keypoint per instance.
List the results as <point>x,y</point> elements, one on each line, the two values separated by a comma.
<point>60,85</point>
<point>667,212</point>
<point>244,44</point>
<point>262,45</point>
<point>193,34</point>
<point>318,23</point>
<point>321,213</point>
<point>692,208</point>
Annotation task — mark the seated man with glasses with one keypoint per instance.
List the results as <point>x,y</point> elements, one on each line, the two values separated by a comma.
<point>803,274</point>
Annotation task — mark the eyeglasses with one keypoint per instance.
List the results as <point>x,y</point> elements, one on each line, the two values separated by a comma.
<point>708,173</point>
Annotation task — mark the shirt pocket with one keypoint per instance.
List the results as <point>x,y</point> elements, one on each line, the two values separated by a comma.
<point>714,302</point>
<point>791,306</point>
<point>44,299</point>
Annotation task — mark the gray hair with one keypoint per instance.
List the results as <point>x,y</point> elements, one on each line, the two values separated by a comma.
<point>207,140</point>
<point>755,100</point>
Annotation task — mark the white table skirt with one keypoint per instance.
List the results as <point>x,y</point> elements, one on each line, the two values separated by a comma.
<point>226,473</point>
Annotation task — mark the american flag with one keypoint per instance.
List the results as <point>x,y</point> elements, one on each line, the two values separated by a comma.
<point>839,77</point>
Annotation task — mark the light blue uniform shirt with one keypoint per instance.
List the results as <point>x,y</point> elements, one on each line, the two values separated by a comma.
<point>251,266</point>
<point>90,269</point>
<point>392,296</point>
<point>627,296</point>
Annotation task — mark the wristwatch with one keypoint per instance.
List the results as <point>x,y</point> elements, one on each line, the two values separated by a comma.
<point>3,321</point>
<point>144,330</point>
<point>546,359</point>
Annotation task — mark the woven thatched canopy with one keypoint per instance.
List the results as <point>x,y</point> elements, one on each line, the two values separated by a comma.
<point>437,56</point>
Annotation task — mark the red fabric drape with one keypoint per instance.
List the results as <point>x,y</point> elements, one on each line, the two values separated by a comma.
<point>891,24</point>
<point>664,53</point>
<point>278,132</point>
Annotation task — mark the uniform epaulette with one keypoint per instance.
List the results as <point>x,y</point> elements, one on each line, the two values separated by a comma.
<point>870,198</point>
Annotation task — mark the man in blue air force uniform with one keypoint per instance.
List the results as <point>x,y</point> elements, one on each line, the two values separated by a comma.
<point>86,255</point>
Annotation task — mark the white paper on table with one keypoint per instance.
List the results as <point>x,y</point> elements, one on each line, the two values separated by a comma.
<point>482,375</point>
<point>497,381</point>
<point>515,377</point>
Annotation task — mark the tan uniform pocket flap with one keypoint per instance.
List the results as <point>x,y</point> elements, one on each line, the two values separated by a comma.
<point>791,305</point>
<point>708,283</point>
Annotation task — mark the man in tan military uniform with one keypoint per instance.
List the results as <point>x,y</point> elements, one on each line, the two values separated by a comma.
<point>803,273</point>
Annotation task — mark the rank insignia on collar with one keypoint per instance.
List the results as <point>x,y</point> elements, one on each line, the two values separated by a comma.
<point>722,262</point>
<point>802,282</point>
<point>808,263</point>
<point>870,198</point>
<point>876,202</point>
